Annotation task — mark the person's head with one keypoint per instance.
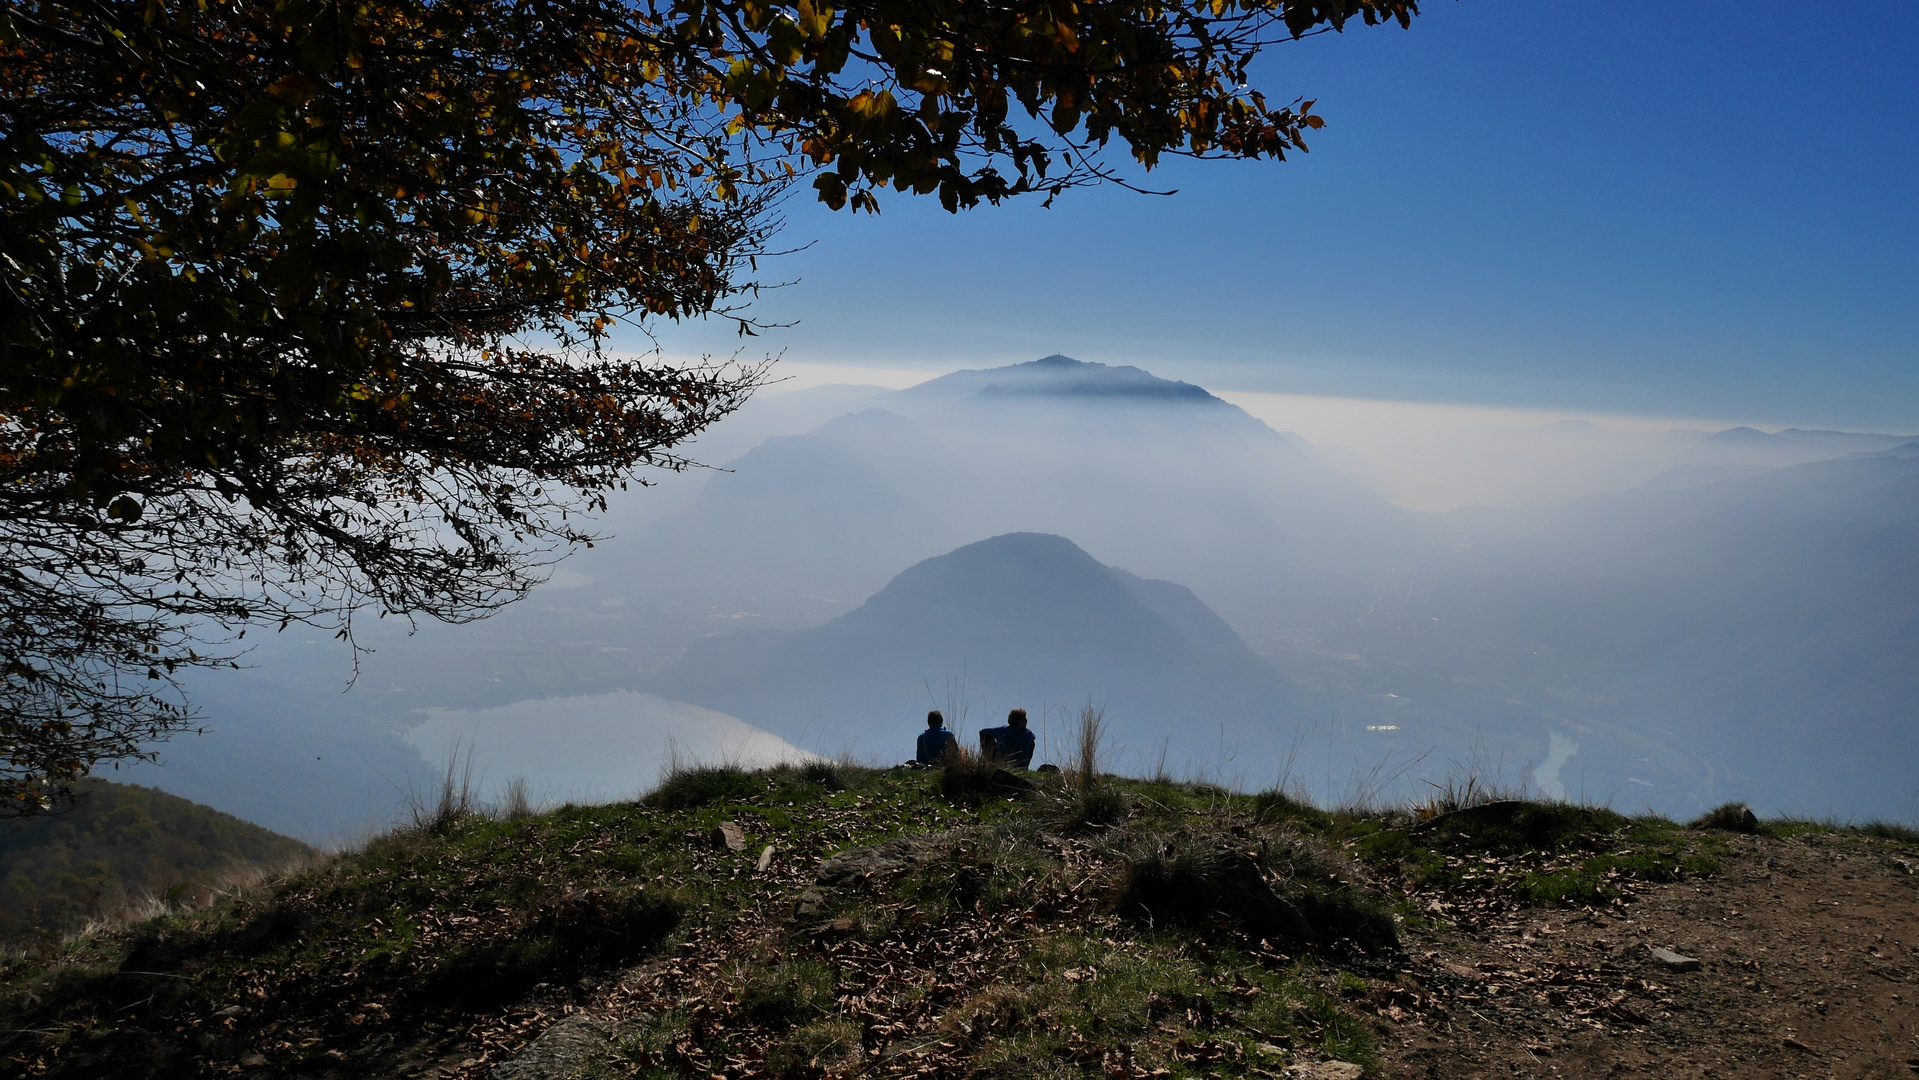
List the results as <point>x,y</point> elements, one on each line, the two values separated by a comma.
<point>934,719</point>
<point>1016,718</point>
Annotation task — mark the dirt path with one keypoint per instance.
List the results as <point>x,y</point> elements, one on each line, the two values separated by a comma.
<point>1809,951</point>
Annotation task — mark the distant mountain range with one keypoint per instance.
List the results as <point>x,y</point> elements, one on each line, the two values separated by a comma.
<point>1057,376</point>
<point>1024,619</point>
<point>1157,476</point>
<point>1543,465</point>
<point>1731,618</point>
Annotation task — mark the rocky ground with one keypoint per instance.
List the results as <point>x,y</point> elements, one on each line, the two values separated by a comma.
<point>1808,967</point>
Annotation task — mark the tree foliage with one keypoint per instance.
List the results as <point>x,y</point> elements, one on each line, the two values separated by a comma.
<point>303,301</point>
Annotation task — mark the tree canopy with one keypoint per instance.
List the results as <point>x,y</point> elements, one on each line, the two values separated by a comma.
<point>305,301</point>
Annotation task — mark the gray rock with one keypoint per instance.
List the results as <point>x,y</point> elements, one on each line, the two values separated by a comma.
<point>1674,961</point>
<point>560,1053</point>
<point>882,859</point>
<point>730,835</point>
<point>856,867</point>
<point>1325,1070</point>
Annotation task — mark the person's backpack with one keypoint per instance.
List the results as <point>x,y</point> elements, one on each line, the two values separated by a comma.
<point>1016,746</point>
<point>934,745</point>
<point>989,741</point>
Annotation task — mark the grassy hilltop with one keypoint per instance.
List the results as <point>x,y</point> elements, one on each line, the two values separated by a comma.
<point>834,921</point>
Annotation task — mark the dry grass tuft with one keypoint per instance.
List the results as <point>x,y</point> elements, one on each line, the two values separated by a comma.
<point>515,805</point>
<point>970,777</point>
<point>1473,782</point>
<point>1275,890</point>
<point>1731,817</point>
<point>1089,740</point>
<point>451,800</point>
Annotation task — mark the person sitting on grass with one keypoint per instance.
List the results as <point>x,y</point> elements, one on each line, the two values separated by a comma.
<point>1012,744</point>
<point>935,742</point>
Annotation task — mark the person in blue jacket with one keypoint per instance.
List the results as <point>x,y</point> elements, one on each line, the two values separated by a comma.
<point>1012,744</point>
<point>935,742</point>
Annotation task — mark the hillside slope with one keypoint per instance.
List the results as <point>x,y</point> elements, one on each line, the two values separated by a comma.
<point>118,844</point>
<point>821,922</point>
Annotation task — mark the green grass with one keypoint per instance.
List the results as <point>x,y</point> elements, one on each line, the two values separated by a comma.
<point>1269,889</point>
<point>408,939</point>
<point>1279,806</point>
<point>1535,852</point>
<point>1139,1001</point>
<point>1096,808</point>
<point>1048,931</point>
<point>1786,828</point>
<point>1728,817</point>
<point>1594,881</point>
<point>787,994</point>
<point>703,786</point>
<point>1887,830</point>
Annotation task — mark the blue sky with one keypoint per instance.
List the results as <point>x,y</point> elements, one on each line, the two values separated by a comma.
<point>1702,209</point>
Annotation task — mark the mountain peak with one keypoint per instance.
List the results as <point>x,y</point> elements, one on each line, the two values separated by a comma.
<point>1062,377</point>
<point>1024,619</point>
<point>1743,435</point>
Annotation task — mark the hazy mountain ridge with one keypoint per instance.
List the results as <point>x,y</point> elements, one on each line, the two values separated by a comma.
<point>1536,466</point>
<point>1157,476</point>
<point>1059,376</point>
<point>1025,620</point>
<point>1671,725</point>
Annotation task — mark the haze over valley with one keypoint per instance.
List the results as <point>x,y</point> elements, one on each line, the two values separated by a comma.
<point>1656,616</point>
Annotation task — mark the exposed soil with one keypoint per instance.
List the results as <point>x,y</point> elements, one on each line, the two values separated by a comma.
<point>1810,968</point>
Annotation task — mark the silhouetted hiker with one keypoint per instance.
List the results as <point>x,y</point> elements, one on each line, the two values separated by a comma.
<point>935,742</point>
<point>1012,744</point>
